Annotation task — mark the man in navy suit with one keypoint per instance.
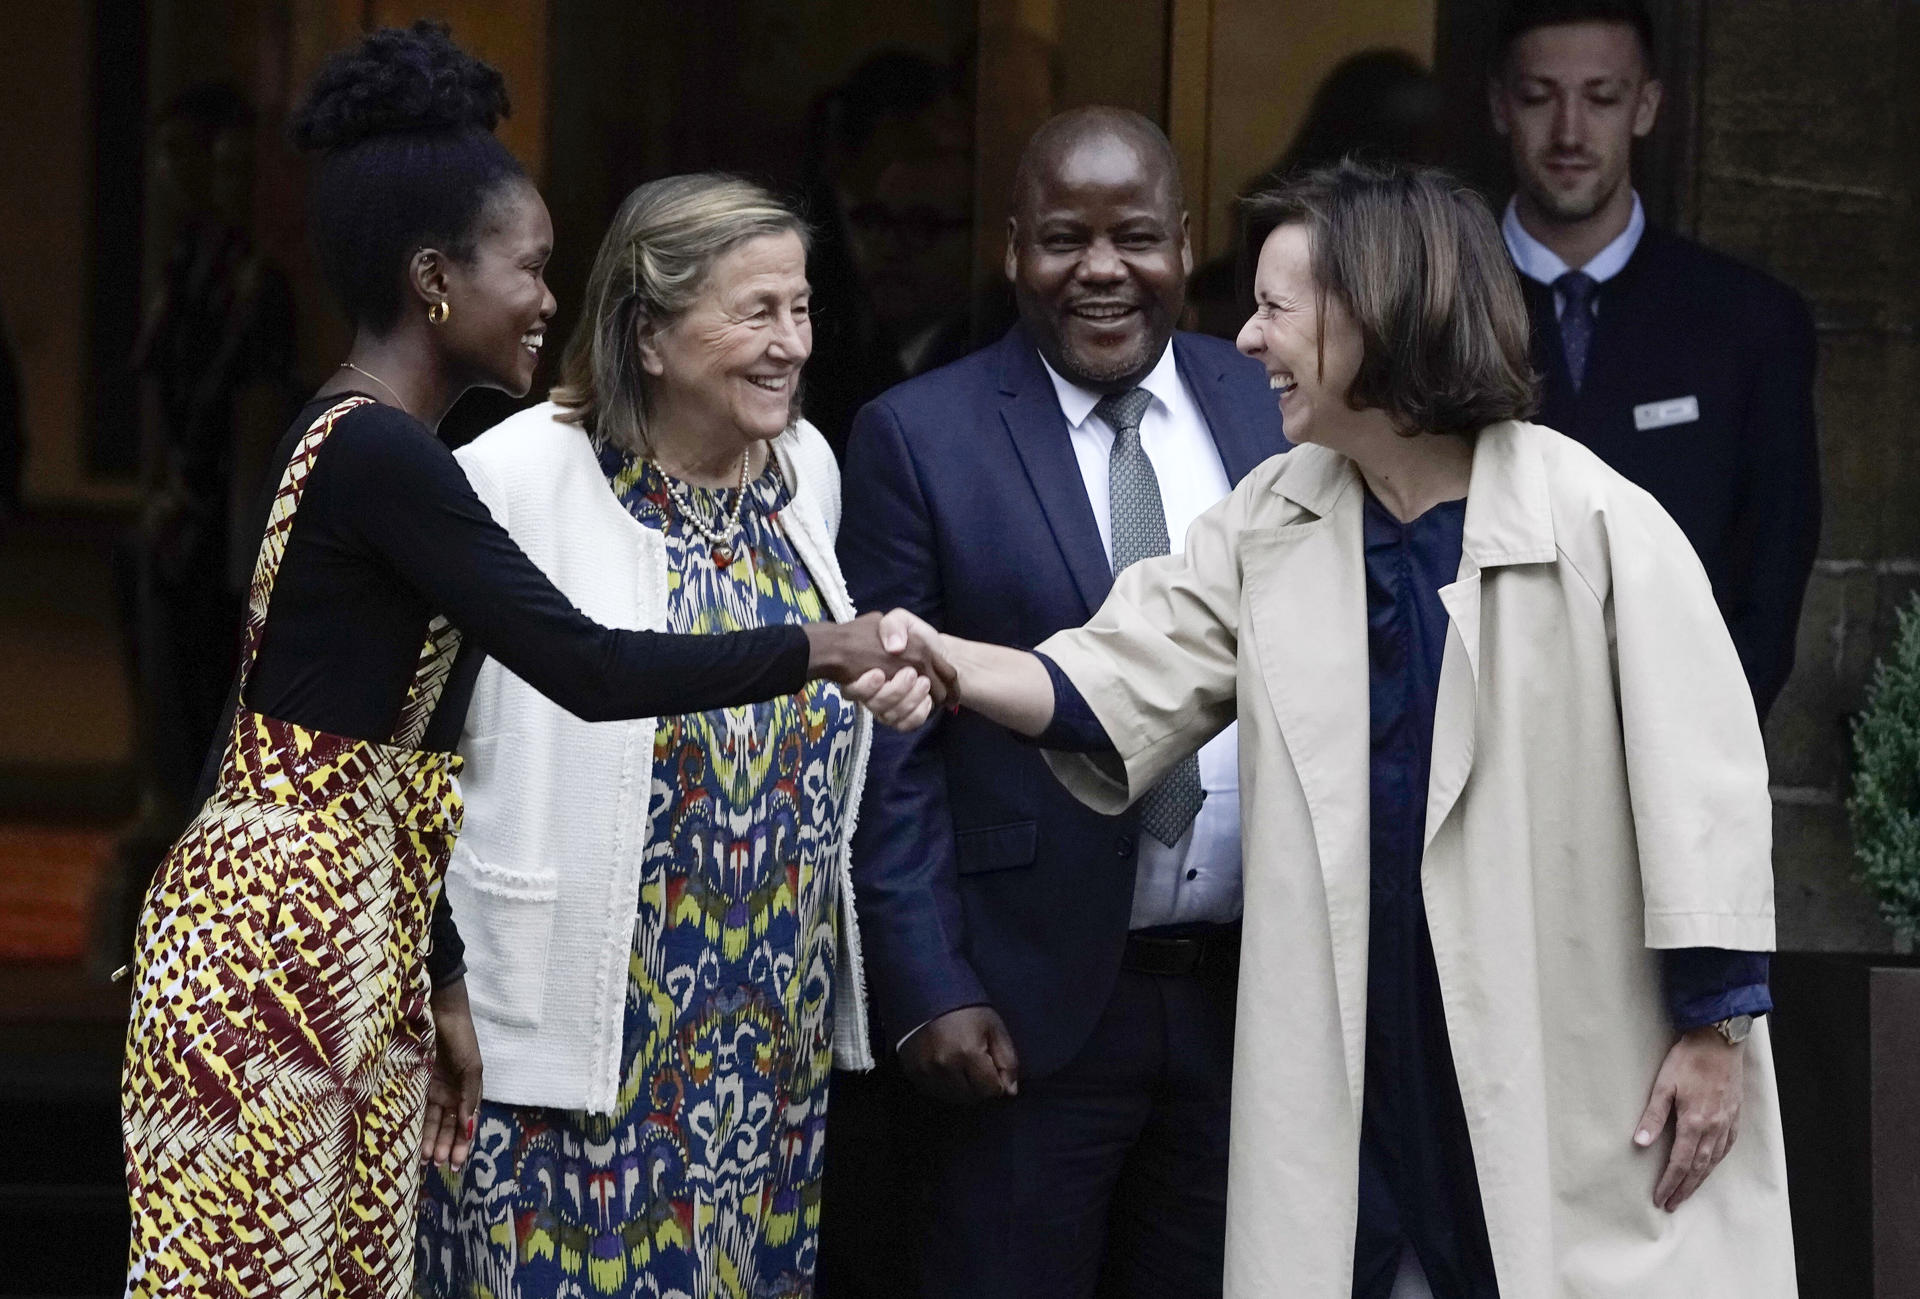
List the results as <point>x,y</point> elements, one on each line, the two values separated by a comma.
<point>1686,371</point>
<point>1059,983</point>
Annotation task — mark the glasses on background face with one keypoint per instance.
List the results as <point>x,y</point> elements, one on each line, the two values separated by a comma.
<point>917,227</point>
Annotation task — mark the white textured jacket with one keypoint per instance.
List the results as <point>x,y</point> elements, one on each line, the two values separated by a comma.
<point>545,879</point>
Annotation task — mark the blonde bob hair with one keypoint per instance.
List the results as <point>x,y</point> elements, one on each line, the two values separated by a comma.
<point>651,267</point>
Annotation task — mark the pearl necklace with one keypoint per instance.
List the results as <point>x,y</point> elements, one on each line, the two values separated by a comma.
<point>724,525</point>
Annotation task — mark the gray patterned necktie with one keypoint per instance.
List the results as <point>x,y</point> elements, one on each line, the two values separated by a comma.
<point>1576,321</point>
<point>1139,522</point>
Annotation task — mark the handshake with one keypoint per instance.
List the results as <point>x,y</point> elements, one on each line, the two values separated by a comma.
<point>891,663</point>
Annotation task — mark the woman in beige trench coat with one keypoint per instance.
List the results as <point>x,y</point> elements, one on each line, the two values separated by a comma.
<point>1597,791</point>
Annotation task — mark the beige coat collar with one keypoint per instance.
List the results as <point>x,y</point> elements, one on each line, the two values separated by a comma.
<point>1509,520</point>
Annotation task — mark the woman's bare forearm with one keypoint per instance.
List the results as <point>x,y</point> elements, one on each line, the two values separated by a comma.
<point>1007,686</point>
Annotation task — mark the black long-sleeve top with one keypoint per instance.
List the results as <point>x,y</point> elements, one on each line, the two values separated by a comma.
<point>387,535</point>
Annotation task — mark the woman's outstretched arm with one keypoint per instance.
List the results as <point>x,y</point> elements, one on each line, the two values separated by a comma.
<point>1003,685</point>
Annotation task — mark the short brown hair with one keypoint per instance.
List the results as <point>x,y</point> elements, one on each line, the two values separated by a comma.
<point>652,264</point>
<point>1415,257</point>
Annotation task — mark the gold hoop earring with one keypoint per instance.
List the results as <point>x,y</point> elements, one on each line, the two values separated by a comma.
<point>437,314</point>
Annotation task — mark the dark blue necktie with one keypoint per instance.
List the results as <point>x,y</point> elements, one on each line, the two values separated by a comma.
<point>1576,289</point>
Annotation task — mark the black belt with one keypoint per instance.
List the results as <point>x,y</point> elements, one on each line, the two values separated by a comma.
<point>1213,952</point>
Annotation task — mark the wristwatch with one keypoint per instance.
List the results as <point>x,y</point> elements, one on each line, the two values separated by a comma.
<point>1734,1031</point>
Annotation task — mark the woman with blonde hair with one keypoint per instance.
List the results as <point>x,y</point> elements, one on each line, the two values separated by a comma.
<point>661,951</point>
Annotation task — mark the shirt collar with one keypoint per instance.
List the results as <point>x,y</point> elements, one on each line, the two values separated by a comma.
<point>1076,403</point>
<point>1538,262</point>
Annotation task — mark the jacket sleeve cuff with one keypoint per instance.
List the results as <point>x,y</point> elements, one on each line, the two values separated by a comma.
<point>446,952</point>
<point>908,1035</point>
<point>1708,984</point>
<point>1743,931</point>
<point>1074,728</point>
<point>908,1010</point>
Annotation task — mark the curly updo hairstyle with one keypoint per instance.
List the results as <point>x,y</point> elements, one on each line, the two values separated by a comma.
<point>403,126</point>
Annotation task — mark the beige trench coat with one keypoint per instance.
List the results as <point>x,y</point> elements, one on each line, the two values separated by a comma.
<point>1598,789</point>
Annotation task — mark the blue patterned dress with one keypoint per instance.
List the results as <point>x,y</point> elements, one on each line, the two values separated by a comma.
<point>705,1184</point>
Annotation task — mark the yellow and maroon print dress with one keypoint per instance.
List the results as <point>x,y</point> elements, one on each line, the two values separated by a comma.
<point>705,1182</point>
<point>280,1040</point>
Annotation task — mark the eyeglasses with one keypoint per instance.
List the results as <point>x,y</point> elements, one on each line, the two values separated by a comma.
<point>918,226</point>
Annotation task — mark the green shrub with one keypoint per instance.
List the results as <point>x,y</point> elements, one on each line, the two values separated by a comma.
<point>1885,807</point>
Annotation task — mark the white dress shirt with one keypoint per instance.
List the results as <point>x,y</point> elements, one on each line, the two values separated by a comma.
<point>1538,262</point>
<point>1198,878</point>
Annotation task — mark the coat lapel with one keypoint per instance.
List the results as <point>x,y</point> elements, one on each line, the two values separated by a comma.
<point>1453,711</point>
<point>1242,417</point>
<point>1509,521</point>
<point>1032,414</point>
<point>1306,593</point>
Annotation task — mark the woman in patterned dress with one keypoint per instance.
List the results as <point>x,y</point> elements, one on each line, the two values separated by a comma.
<point>280,1041</point>
<point>662,951</point>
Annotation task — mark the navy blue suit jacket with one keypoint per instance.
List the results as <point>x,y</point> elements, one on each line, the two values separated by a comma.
<point>1742,480</point>
<point>980,879</point>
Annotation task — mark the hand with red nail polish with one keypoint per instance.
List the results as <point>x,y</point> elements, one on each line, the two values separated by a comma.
<point>453,1088</point>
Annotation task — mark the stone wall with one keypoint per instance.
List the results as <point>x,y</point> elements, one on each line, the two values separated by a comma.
<point>1807,164</point>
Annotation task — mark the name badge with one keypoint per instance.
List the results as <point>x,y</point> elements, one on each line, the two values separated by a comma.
<point>1661,414</point>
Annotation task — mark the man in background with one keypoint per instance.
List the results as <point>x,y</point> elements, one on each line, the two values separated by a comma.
<point>1686,371</point>
<point>890,193</point>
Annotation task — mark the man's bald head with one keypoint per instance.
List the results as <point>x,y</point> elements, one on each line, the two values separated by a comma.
<point>1097,249</point>
<point>1102,127</point>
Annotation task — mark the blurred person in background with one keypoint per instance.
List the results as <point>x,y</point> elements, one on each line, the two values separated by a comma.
<point>1378,105</point>
<point>890,192</point>
<point>215,359</point>
<point>913,244</point>
<point>220,325</point>
<point>1375,106</point>
<point>1689,372</point>
<point>661,948</point>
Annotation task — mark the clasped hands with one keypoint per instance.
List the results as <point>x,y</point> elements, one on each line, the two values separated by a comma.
<point>878,661</point>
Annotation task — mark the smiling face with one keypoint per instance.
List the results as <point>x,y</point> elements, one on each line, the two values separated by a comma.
<point>727,370</point>
<point>1571,100</point>
<point>1099,258</point>
<point>498,301</point>
<point>1311,355</point>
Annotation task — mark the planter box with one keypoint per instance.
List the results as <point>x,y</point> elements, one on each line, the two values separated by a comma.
<point>1846,1046</point>
<point>1893,996</point>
